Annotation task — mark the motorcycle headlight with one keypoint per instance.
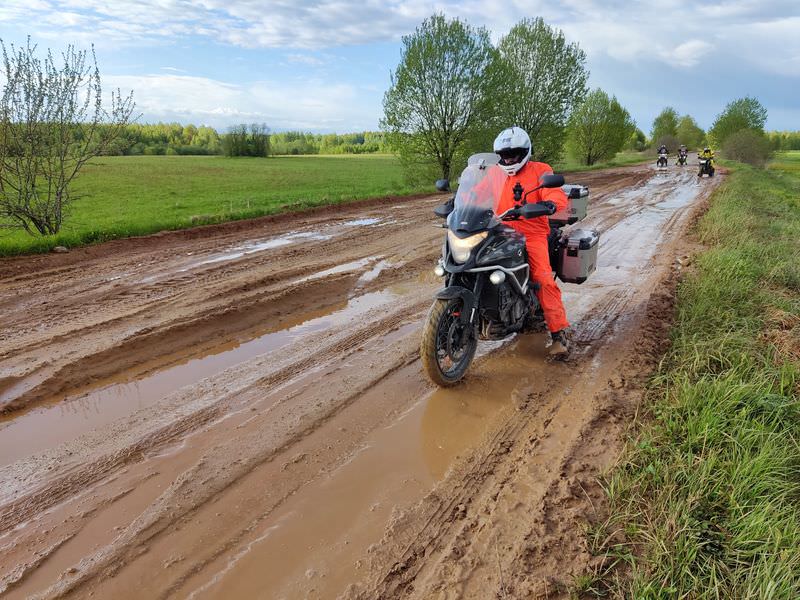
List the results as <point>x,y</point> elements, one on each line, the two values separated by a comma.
<point>461,247</point>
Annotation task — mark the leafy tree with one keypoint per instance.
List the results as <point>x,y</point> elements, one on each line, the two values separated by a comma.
<point>544,77</point>
<point>242,140</point>
<point>599,128</point>
<point>689,132</point>
<point>664,125</point>
<point>52,122</point>
<point>637,141</point>
<point>785,140</point>
<point>748,146</point>
<point>440,94</point>
<point>744,113</point>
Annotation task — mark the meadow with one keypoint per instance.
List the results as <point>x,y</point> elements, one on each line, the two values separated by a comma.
<point>123,196</point>
<point>705,502</point>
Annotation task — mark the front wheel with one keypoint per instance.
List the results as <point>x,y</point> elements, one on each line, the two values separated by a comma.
<point>448,345</point>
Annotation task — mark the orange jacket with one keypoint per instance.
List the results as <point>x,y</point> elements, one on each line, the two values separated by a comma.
<point>528,177</point>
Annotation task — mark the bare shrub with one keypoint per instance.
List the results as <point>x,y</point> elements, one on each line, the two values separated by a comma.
<point>52,121</point>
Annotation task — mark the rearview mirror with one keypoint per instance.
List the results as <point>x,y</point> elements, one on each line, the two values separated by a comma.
<point>443,185</point>
<point>443,210</point>
<point>551,181</point>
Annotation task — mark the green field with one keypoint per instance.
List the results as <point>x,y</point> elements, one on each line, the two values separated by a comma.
<point>706,500</point>
<point>122,196</point>
<point>134,195</point>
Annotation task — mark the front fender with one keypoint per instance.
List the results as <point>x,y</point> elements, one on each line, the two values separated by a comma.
<point>466,296</point>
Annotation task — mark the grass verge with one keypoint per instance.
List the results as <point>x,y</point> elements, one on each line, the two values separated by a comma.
<point>705,502</point>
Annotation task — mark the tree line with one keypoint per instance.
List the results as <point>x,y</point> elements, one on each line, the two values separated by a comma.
<point>453,90</point>
<point>253,139</point>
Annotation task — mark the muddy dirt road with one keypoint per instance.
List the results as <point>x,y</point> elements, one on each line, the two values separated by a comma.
<point>239,411</point>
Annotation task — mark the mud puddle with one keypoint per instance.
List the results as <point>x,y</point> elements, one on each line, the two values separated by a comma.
<point>63,419</point>
<point>313,544</point>
<point>293,237</point>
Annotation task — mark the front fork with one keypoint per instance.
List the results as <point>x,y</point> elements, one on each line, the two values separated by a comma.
<point>470,300</point>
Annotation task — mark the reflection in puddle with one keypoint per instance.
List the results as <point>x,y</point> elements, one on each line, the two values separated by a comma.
<point>354,265</point>
<point>236,252</point>
<point>284,240</point>
<point>254,247</point>
<point>362,222</point>
<point>119,396</point>
<point>455,419</point>
<point>373,273</point>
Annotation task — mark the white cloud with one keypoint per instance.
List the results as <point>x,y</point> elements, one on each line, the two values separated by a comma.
<point>624,30</point>
<point>315,104</point>
<point>690,53</point>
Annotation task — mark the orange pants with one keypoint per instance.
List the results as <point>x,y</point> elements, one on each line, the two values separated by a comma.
<point>549,294</point>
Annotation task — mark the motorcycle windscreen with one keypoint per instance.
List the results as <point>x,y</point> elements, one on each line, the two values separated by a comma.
<point>476,197</point>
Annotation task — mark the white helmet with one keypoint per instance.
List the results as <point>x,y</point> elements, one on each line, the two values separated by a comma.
<point>514,147</point>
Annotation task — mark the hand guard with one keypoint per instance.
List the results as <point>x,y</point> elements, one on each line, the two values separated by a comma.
<point>550,206</point>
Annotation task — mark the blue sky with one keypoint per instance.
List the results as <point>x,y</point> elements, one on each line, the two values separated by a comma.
<point>324,65</point>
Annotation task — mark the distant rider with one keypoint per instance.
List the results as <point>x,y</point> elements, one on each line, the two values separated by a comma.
<point>706,154</point>
<point>513,145</point>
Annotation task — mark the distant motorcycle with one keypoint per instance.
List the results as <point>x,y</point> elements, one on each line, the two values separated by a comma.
<point>488,293</point>
<point>706,166</point>
<point>662,160</point>
<point>682,158</point>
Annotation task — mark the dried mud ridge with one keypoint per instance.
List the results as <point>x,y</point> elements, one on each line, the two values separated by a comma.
<point>183,409</point>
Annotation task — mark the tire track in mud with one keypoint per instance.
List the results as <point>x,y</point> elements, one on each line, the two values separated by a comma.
<point>278,271</point>
<point>272,393</point>
<point>419,544</point>
<point>21,509</point>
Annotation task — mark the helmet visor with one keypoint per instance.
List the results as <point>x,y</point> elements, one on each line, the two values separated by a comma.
<point>512,156</point>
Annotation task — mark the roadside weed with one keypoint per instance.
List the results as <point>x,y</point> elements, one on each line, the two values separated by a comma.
<point>708,493</point>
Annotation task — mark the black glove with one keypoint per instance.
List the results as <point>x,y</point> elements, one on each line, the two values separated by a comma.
<point>551,208</point>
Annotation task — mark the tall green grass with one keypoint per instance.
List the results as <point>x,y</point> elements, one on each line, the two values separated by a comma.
<point>706,501</point>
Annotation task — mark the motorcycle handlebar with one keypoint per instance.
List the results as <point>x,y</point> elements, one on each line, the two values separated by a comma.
<point>527,211</point>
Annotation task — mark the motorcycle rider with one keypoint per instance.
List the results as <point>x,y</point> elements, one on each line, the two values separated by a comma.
<point>682,151</point>
<point>513,145</point>
<point>706,154</point>
<point>662,149</point>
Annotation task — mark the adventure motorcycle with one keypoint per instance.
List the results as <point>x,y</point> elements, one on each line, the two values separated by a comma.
<point>706,166</point>
<point>488,293</point>
<point>682,156</point>
<point>662,160</point>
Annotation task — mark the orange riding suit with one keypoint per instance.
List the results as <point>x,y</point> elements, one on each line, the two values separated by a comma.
<point>535,232</point>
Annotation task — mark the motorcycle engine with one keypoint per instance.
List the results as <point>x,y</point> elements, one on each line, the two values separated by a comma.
<point>511,307</point>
